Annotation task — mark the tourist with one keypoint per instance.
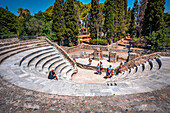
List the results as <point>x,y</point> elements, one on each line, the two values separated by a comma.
<point>112,72</point>
<point>98,68</point>
<point>101,68</point>
<point>109,71</point>
<point>52,75</point>
<point>120,67</point>
<point>90,61</point>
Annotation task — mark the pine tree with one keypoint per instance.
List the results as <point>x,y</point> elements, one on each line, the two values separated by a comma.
<point>109,18</point>
<point>153,18</point>
<point>71,23</point>
<point>93,18</point>
<point>58,26</point>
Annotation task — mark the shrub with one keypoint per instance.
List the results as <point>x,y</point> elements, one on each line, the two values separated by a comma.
<point>70,44</point>
<point>116,39</point>
<point>110,41</point>
<point>81,41</point>
<point>100,41</point>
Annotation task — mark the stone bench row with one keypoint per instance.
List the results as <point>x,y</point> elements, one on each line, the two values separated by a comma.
<point>18,50</point>
<point>19,44</point>
<point>138,71</point>
<point>42,61</point>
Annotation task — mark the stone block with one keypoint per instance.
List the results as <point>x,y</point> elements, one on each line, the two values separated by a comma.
<point>112,57</point>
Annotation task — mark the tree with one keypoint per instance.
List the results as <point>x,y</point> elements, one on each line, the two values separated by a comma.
<point>159,39</point>
<point>109,18</point>
<point>58,25</point>
<point>27,12</point>
<point>132,23</point>
<point>21,11</point>
<point>136,14</point>
<point>71,30</point>
<point>34,26</point>
<point>153,18</point>
<point>7,22</point>
<point>48,13</point>
<point>93,18</point>
<point>120,18</point>
<point>142,7</point>
<point>21,31</point>
<point>84,14</point>
<point>39,15</point>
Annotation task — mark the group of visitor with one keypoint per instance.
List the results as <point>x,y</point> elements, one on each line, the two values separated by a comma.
<point>99,68</point>
<point>110,72</point>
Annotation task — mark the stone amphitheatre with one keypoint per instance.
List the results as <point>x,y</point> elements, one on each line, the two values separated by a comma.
<point>143,86</point>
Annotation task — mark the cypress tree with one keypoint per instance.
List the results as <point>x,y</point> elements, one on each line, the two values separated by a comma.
<point>132,23</point>
<point>120,18</point>
<point>58,26</point>
<point>153,18</point>
<point>93,18</point>
<point>109,18</point>
<point>71,22</point>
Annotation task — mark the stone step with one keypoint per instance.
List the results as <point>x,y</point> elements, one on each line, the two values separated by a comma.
<point>44,59</point>
<point>3,57</point>
<point>35,62</point>
<point>20,47</point>
<point>38,55</point>
<point>27,57</point>
<point>13,45</point>
<point>47,65</point>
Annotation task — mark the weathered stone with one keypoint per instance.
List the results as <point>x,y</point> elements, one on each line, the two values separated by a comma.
<point>112,57</point>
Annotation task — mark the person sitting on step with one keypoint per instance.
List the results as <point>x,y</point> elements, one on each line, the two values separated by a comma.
<point>120,67</point>
<point>52,75</point>
<point>112,73</point>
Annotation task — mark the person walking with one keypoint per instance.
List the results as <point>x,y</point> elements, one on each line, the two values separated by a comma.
<point>90,61</point>
<point>101,67</point>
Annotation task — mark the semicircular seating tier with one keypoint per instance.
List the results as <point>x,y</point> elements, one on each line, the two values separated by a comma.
<point>27,64</point>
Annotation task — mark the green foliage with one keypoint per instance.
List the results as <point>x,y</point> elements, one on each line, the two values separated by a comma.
<point>100,41</point>
<point>20,26</point>
<point>153,18</point>
<point>58,25</point>
<point>71,23</point>
<point>40,16</point>
<point>70,44</point>
<point>93,18</point>
<point>7,22</point>
<point>116,39</point>
<point>109,18</point>
<point>34,26</point>
<point>135,39</point>
<point>159,39</point>
<point>81,41</point>
<point>48,13</point>
<point>132,23</point>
